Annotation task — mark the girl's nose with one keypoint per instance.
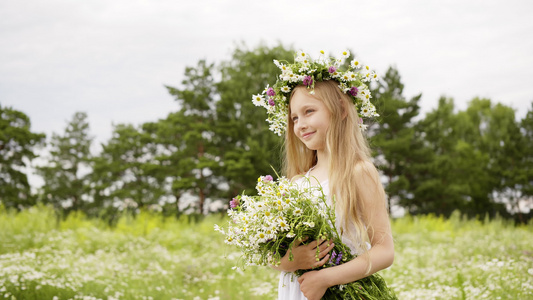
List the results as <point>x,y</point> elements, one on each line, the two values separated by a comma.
<point>301,125</point>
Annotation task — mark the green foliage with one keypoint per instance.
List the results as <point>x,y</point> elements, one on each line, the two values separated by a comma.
<point>17,149</point>
<point>169,258</point>
<point>194,152</point>
<point>526,175</point>
<point>123,177</point>
<point>245,145</point>
<point>64,179</point>
<point>399,150</point>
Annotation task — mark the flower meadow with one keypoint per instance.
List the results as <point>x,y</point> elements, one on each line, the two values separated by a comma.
<point>153,257</point>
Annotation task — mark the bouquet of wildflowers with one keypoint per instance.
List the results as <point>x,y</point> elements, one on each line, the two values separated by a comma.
<point>266,226</point>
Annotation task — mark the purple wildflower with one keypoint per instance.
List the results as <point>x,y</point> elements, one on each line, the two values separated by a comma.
<point>333,254</point>
<point>353,91</point>
<point>268,178</point>
<point>234,203</point>
<point>271,92</point>
<point>271,102</point>
<point>308,80</point>
<point>338,261</point>
<point>332,69</point>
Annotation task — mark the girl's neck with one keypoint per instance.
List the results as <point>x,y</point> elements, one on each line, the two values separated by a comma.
<point>321,169</point>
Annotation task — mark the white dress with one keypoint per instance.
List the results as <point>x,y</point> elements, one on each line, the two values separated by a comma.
<point>288,287</point>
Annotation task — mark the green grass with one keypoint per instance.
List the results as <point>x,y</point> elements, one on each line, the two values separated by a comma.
<point>151,257</point>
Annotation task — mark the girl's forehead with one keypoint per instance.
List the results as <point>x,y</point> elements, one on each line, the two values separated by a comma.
<point>302,97</point>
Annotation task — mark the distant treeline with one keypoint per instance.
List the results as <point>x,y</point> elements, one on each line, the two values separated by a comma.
<point>215,145</point>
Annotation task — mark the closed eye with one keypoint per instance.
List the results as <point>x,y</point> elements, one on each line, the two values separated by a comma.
<point>294,119</point>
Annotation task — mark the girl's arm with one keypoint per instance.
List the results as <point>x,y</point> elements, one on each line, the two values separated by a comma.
<point>380,256</point>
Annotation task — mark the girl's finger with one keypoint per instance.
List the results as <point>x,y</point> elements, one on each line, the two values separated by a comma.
<point>326,251</point>
<point>321,262</point>
<point>317,243</point>
<point>325,245</point>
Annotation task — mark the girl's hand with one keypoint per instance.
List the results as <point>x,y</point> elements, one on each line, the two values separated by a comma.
<point>304,256</point>
<point>312,285</point>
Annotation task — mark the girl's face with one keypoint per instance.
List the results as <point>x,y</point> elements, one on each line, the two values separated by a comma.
<point>311,119</point>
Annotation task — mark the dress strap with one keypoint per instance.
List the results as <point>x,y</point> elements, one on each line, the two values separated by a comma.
<point>309,172</point>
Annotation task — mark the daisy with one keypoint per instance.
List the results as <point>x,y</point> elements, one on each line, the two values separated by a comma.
<point>366,111</point>
<point>297,211</point>
<point>345,54</point>
<point>301,56</point>
<point>285,89</point>
<point>351,76</point>
<point>266,89</point>
<point>283,225</point>
<point>258,100</point>
<point>355,63</point>
<point>261,237</point>
<point>345,77</point>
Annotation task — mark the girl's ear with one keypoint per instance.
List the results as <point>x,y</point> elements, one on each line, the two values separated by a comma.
<point>344,111</point>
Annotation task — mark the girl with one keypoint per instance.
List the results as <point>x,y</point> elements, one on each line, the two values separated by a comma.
<point>323,140</point>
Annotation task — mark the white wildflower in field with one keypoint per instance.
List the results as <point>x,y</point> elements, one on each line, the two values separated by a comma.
<point>176,259</point>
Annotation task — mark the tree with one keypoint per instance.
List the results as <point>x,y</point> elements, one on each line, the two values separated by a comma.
<point>245,145</point>
<point>476,160</point>
<point>17,148</point>
<point>65,175</point>
<point>509,147</point>
<point>192,138</point>
<point>527,174</point>
<point>398,149</point>
<point>121,177</point>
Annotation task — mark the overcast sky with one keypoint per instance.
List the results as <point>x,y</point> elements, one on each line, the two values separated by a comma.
<point>112,58</point>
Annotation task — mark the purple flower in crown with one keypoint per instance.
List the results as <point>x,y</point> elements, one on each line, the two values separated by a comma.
<point>234,203</point>
<point>268,178</point>
<point>353,91</point>
<point>271,102</point>
<point>308,80</point>
<point>332,69</point>
<point>271,92</point>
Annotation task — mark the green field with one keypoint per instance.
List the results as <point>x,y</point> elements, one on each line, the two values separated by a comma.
<point>150,257</point>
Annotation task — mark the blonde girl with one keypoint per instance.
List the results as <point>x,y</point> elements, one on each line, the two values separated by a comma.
<point>323,141</point>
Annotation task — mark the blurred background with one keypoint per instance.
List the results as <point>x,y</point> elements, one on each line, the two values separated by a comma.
<point>148,101</point>
<point>126,127</point>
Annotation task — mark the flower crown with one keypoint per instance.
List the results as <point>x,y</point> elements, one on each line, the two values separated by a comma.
<point>306,71</point>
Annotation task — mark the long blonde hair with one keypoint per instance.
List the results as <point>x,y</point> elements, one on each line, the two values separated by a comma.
<point>347,148</point>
